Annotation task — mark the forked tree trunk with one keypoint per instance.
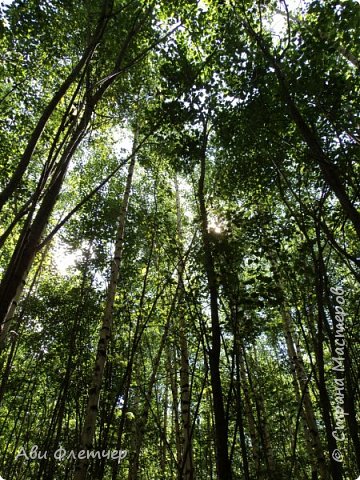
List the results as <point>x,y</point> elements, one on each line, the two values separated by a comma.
<point>88,431</point>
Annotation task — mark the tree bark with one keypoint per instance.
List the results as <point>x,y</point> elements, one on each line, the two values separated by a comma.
<point>187,466</point>
<point>88,430</point>
<point>221,431</point>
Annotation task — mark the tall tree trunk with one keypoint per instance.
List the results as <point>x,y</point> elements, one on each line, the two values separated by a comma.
<point>187,467</point>
<point>88,431</point>
<point>163,453</point>
<point>172,367</point>
<point>221,431</point>
<point>238,396</point>
<point>263,429</point>
<point>139,331</point>
<point>47,466</point>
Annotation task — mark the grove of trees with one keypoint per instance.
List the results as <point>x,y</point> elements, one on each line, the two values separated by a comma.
<point>179,239</point>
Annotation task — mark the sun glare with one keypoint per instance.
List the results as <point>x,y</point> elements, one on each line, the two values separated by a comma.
<point>64,259</point>
<point>215,225</point>
<point>122,140</point>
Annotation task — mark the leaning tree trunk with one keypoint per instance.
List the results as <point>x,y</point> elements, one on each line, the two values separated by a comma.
<point>88,431</point>
<point>301,379</point>
<point>221,431</point>
<point>14,279</point>
<point>329,170</point>
<point>54,102</point>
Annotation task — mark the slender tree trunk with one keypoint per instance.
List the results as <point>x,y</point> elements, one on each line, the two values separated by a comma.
<point>172,362</point>
<point>263,430</point>
<point>124,392</point>
<point>187,467</point>
<point>255,443</point>
<point>88,430</point>
<point>238,397</point>
<point>163,454</point>
<point>301,378</point>
<point>221,430</point>
<point>139,330</point>
<point>336,467</point>
<point>17,333</point>
<point>22,415</point>
<point>142,422</point>
<point>47,466</point>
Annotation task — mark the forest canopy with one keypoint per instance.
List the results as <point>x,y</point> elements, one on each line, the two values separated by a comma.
<point>179,239</point>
